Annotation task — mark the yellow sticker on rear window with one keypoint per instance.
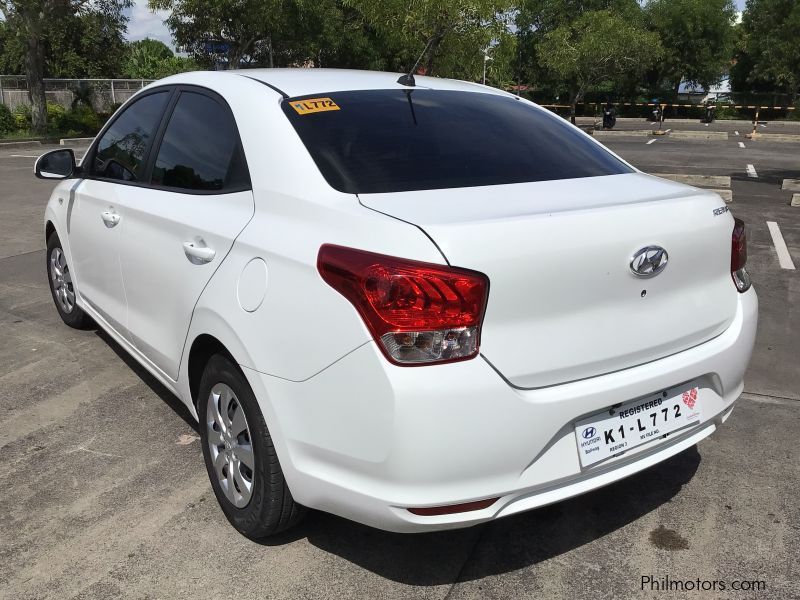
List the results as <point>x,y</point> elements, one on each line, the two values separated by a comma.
<point>312,105</point>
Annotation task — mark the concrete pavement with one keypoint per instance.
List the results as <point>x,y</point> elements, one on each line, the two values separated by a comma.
<point>106,496</point>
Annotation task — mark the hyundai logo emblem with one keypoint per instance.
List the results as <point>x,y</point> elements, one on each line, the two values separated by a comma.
<point>649,261</point>
<point>588,433</point>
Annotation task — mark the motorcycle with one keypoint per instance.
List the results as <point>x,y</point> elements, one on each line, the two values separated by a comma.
<point>609,117</point>
<point>709,118</point>
<point>657,115</point>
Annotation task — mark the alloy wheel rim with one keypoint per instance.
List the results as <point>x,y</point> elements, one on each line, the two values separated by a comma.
<point>230,445</point>
<point>60,275</point>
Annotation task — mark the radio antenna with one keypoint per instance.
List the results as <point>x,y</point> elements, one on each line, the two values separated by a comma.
<point>408,78</point>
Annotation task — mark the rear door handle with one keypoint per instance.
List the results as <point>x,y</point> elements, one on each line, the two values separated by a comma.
<point>198,252</point>
<point>111,219</point>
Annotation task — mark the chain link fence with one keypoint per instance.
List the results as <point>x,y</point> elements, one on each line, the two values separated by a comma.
<point>103,94</point>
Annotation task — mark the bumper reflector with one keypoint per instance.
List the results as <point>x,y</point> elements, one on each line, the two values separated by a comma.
<point>432,511</point>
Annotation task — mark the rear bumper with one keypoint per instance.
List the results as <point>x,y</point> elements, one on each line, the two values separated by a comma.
<point>365,439</point>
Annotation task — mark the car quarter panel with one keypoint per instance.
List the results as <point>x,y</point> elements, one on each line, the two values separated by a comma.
<point>301,325</point>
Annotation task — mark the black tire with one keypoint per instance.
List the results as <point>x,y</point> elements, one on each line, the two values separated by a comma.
<point>271,508</point>
<point>74,316</point>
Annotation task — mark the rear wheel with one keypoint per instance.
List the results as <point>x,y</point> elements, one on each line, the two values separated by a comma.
<point>239,454</point>
<point>62,287</point>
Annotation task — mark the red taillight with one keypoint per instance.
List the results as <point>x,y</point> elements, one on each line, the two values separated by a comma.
<point>739,256</point>
<point>418,312</point>
<point>738,246</point>
<point>450,509</point>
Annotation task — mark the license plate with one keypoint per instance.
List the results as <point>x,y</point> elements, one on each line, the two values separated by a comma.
<point>618,429</point>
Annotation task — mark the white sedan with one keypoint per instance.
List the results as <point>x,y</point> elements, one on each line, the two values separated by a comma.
<point>419,304</point>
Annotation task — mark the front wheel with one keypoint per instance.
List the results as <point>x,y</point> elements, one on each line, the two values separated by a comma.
<point>239,454</point>
<point>62,286</point>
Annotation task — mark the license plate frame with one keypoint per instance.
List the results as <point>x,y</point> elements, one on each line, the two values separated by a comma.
<point>623,427</point>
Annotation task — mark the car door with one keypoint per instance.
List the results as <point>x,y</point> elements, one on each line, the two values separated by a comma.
<point>95,223</point>
<point>180,228</point>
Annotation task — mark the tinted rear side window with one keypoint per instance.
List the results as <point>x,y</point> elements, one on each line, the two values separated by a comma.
<point>200,149</point>
<point>121,150</point>
<point>398,140</point>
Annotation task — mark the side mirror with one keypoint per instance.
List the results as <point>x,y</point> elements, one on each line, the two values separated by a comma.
<point>56,164</point>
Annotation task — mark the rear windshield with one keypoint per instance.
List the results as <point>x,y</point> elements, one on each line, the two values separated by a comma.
<point>398,140</point>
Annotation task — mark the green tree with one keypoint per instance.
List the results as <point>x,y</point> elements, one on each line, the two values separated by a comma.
<point>33,24</point>
<point>153,59</point>
<point>82,45</point>
<point>149,49</point>
<point>595,47</point>
<point>11,51</point>
<point>282,33</point>
<point>245,26</point>
<point>769,53</point>
<point>534,19</point>
<point>327,33</point>
<point>86,44</point>
<point>451,33</point>
<point>543,16</point>
<point>698,39</point>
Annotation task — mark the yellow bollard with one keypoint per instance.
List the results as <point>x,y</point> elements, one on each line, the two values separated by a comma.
<point>754,133</point>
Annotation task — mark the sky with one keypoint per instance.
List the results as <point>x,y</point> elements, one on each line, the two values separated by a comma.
<point>144,23</point>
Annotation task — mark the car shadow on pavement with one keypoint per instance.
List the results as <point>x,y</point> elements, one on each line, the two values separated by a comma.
<point>162,392</point>
<point>502,546</point>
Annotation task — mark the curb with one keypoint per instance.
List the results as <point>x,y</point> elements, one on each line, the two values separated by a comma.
<point>611,133</point>
<point>714,182</point>
<point>719,184</point>
<point>775,137</point>
<point>726,195</point>
<point>699,135</point>
<point>70,141</point>
<point>793,185</point>
<point>12,145</point>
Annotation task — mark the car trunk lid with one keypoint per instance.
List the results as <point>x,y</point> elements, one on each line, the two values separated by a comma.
<point>564,303</point>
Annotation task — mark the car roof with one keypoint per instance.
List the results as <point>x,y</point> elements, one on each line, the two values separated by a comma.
<point>305,81</point>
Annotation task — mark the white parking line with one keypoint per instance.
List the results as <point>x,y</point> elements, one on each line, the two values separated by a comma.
<point>761,125</point>
<point>651,141</point>
<point>668,130</point>
<point>784,258</point>
<point>751,171</point>
<point>741,145</point>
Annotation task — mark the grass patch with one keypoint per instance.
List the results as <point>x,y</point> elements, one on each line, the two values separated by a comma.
<point>25,135</point>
